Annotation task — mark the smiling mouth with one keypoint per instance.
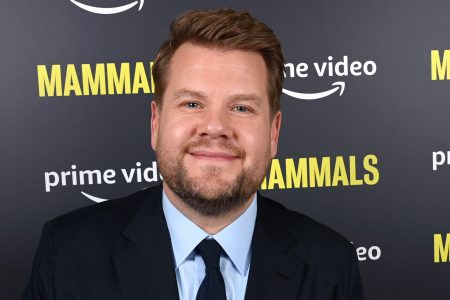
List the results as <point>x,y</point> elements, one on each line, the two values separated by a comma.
<point>213,155</point>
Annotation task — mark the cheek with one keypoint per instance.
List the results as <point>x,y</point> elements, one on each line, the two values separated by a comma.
<point>174,134</point>
<point>256,144</point>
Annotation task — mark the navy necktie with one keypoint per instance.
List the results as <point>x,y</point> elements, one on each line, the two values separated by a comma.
<point>212,286</point>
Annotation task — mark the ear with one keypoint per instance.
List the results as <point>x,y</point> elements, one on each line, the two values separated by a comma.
<point>275,133</point>
<point>154,124</point>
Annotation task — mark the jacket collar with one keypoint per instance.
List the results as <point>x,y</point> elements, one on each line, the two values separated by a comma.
<point>275,272</point>
<point>144,265</point>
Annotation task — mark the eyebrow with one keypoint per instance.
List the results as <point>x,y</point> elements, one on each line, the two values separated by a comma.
<point>181,93</point>
<point>247,97</point>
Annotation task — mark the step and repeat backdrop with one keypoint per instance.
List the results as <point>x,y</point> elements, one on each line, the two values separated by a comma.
<point>365,142</point>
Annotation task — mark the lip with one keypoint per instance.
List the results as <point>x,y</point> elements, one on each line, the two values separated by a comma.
<point>212,155</point>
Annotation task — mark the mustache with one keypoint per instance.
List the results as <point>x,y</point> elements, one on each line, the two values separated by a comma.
<point>221,145</point>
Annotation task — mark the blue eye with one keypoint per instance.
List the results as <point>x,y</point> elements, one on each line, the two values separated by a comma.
<point>240,108</point>
<point>192,105</point>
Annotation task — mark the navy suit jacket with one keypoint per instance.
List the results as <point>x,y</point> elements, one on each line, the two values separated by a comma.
<point>121,249</point>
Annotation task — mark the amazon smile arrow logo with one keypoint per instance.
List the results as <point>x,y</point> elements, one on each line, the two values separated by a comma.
<point>340,85</point>
<point>108,10</point>
<point>94,198</point>
<point>330,68</point>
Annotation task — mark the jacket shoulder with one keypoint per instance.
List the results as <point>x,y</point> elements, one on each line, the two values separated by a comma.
<point>105,218</point>
<point>314,238</point>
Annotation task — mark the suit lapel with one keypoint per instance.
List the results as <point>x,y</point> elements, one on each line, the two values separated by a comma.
<point>144,265</point>
<point>275,273</point>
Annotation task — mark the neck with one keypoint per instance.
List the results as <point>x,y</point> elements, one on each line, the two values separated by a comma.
<point>210,224</point>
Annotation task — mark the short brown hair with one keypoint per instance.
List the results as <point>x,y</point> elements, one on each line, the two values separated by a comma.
<point>228,30</point>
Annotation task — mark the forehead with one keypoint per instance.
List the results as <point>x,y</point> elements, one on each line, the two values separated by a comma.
<point>209,69</point>
<point>192,53</point>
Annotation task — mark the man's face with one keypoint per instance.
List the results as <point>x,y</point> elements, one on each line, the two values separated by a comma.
<point>213,133</point>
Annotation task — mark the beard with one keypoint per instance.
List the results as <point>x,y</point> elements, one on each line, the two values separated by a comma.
<point>210,194</point>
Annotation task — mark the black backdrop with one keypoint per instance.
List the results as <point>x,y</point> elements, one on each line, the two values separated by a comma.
<point>382,145</point>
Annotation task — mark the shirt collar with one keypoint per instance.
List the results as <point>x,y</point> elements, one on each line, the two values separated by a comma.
<point>235,239</point>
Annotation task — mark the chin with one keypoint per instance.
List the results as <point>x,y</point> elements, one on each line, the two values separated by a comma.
<point>209,175</point>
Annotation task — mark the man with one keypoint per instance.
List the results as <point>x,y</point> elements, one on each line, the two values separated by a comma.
<point>205,233</point>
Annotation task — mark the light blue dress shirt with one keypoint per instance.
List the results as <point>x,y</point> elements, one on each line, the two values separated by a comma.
<point>235,240</point>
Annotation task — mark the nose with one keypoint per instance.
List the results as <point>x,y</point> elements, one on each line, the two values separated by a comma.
<point>215,123</point>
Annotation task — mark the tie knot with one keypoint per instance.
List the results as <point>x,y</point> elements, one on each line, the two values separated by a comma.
<point>210,251</point>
